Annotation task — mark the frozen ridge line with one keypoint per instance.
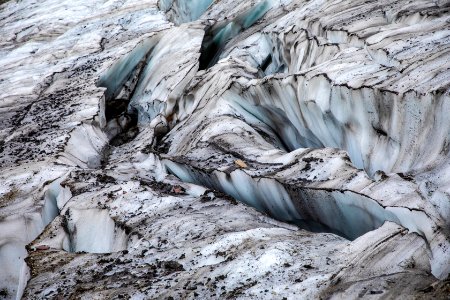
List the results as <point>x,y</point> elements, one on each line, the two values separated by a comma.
<point>129,129</point>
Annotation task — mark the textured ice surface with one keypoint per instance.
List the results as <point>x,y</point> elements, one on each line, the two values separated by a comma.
<point>220,34</point>
<point>182,11</point>
<point>129,130</point>
<point>151,96</point>
<point>92,230</point>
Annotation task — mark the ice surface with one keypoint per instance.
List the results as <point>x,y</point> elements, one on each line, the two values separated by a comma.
<point>218,36</point>
<point>185,10</point>
<point>327,120</point>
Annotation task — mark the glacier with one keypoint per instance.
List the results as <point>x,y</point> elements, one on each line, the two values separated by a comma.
<point>178,149</point>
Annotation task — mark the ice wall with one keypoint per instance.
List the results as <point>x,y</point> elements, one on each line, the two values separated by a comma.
<point>162,82</point>
<point>390,136</point>
<point>93,230</point>
<point>341,211</point>
<point>16,231</point>
<point>217,37</point>
<point>183,11</point>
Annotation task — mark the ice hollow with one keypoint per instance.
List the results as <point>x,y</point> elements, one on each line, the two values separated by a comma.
<point>354,89</point>
<point>183,11</point>
<point>268,124</point>
<point>17,230</point>
<point>219,34</point>
<point>388,136</point>
<point>335,208</point>
<point>342,212</point>
<point>117,75</point>
<point>161,82</point>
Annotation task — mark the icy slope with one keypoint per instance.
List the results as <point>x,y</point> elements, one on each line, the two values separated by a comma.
<point>129,131</point>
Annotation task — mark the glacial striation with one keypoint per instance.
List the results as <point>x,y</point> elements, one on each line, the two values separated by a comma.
<point>273,149</point>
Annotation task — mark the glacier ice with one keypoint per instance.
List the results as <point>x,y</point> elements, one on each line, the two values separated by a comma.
<point>150,97</point>
<point>224,149</point>
<point>93,230</point>
<point>21,225</point>
<point>219,34</point>
<point>183,11</point>
<point>116,77</point>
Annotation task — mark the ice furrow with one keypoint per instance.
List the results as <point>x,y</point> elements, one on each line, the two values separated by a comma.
<point>129,130</point>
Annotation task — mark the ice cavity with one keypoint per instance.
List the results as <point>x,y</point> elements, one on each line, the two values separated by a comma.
<point>162,82</point>
<point>158,81</point>
<point>392,137</point>
<point>183,11</point>
<point>16,231</point>
<point>92,230</point>
<point>217,36</point>
<point>343,212</point>
<point>54,200</point>
<point>115,77</point>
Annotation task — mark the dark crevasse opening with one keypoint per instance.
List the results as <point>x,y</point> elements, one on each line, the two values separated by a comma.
<point>120,82</point>
<point>183,11</point>
<point>126,70</point>
<point>266,63</point>
<point>343,213</point>
<point>218,35</point>
<point>288,136</point>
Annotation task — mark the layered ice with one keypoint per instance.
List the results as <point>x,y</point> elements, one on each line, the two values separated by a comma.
<point>93,230</point>
<point>327,117</point>
<point>183,11</point>
<point>342,211</point>
<point>17,230</point>
<point>217,37</point>
<point>389,136</point>
<point>161,82</point>
<point>326,88</point>
<point>116,77</point>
